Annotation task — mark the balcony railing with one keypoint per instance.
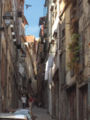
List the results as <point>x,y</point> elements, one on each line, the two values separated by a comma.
<point>45,32</point>
<point>42,20</point>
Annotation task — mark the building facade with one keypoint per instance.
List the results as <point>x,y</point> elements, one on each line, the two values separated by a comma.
<point>67,62</point>
<point>11,32</point>
<point>31,63</point>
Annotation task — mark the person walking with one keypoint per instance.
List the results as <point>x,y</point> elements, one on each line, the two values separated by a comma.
<point>30,103</point>
<point>23,99</point>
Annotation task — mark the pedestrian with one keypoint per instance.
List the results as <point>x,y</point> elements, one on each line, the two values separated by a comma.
<point>27,99</point>
<point>30,103</point>
<point>23,99</point>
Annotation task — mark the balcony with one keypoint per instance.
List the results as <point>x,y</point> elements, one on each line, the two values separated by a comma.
<point>41,34</point>
<point>42,20</point>
<point>45,32</point>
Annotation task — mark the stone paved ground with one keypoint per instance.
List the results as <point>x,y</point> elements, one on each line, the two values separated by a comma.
<point>40,114</point>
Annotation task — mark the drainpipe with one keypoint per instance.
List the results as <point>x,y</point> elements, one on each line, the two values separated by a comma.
<point>77,97</point>
<point>88,99</point>
<point>0,55</point>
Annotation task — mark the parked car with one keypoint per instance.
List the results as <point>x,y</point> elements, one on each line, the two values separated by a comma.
<point>11,116</point>
<point>23,112</point>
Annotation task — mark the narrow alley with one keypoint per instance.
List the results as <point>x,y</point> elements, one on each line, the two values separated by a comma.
<point>44,59</point>
<point>40,114</point>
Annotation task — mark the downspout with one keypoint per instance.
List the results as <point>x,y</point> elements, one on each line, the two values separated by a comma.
<point>0,55</point>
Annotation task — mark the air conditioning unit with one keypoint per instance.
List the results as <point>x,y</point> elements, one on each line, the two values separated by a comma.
<point>26,43</point>
<point>11,26</point>
<point>14,40</point>
<point>13,33</point>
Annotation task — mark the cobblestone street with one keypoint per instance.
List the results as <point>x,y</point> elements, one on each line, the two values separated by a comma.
<point>40,114</point>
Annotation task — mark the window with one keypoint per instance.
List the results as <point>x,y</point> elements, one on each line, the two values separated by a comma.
<point>83,103</point>
<point>72,103</point>
<point>54,1</point>
<point>60,1</point>
<point>80,7</point>
<point>19,14</point>
<point>63,33</point>
<point>89,1</point>
<point>80,1</point>
<point>74,3</point>
<point>55,11</point>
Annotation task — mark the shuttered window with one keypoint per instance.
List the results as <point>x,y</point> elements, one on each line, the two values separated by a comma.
<point>72,103</point>
<point>83,103</point>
